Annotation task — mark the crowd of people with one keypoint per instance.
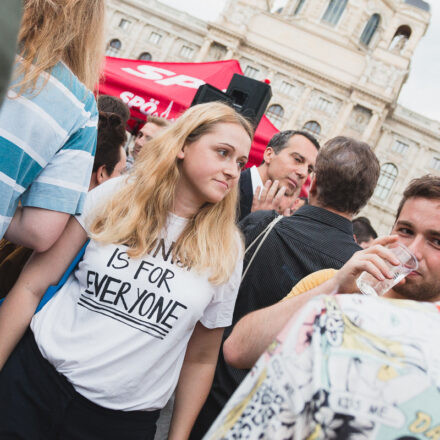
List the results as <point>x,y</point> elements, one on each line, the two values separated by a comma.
<point>209,301</point>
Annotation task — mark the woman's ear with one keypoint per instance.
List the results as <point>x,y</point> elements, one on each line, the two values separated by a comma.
<point>181,153</point>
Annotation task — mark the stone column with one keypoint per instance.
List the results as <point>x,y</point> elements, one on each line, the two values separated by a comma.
<point>342,119</point>
<point>290,125</point>
<point>370,127</point>
<point>203,51</point>
<point>229,54</point>
<point>170,43</point>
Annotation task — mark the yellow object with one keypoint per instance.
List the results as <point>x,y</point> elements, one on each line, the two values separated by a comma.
<point>310,282</point>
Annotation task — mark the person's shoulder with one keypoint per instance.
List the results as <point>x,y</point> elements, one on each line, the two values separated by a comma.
<point>102,193</point>
<point>256,218</point>
<point>67,82</point>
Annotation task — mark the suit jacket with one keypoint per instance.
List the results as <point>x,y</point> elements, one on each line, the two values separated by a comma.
<point>246,194</point>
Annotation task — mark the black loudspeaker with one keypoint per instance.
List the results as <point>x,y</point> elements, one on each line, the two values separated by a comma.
<point>208,93</point>
<point>248,96</point>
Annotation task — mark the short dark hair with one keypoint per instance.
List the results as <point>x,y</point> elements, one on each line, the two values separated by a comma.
<point>280,140</point>
<point>426,187</point>
<point>347,171</point>
<point>111,137</point>
<point>112,104</point>
<point>363,230</point>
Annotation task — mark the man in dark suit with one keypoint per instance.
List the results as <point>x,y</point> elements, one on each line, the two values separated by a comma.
<point>288,160</point>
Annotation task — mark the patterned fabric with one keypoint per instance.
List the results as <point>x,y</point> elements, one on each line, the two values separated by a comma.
<point>47,144</point>
<point>348,367</point>
<point>311,239</point>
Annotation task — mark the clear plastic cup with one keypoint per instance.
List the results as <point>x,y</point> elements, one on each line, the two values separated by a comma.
<point>369,285</point>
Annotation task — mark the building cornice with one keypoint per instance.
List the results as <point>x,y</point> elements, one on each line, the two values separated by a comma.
<point>192,24</point>
<point>412,126</point>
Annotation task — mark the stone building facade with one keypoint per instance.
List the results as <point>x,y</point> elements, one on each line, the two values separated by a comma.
<point>336,67</point>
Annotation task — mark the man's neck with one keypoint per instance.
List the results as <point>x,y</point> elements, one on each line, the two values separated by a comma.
<point>314,202</point>
<point>262,171</point>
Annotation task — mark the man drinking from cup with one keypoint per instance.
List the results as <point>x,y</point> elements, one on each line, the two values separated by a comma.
<point>417,226</point>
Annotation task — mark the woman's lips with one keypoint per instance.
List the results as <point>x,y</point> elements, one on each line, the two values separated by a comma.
<point>223,183</point>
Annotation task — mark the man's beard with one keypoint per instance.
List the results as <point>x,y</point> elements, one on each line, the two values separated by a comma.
<point>419,292</point>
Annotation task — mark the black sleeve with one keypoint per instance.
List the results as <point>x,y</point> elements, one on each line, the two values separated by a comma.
<point>254,223</point>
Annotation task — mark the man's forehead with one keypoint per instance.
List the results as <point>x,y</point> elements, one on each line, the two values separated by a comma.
<point>420,211</point>
<point>301,145</point>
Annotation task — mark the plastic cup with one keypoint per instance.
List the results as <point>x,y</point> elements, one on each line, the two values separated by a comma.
<point>369,285</point>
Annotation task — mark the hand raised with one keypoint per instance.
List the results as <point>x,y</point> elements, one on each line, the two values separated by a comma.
<point>269,197</point>
<point>371,260</point>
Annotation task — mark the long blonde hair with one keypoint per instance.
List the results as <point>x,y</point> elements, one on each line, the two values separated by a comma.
<point>61,30</point>
<point>137,214</point>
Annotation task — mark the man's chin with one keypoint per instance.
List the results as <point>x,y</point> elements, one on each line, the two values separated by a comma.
<point>418,292</point>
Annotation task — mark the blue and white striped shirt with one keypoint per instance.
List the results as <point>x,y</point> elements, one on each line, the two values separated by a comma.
<point>47,144</point>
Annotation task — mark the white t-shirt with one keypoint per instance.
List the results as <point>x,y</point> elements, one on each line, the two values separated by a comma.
<point>119,327</point>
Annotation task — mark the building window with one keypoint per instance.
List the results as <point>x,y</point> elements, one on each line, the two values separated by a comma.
<point>155,38</point>
<point>299,6</point>
<point>400,38</point>
<point>435,164</point>
<point>370,29</point>
<point>312,127</point>
<point>123,24</point>
<point>217,52</point>
<point>324,105</point>
<point>145,56</point>
<point>334,11</point>
<point>186,52</point>
<point>113,48</point>
<point>251,72</point>
<point>275,113</point>
<point>287,88</point>
<point>388,174</point>
<point>400,147</point>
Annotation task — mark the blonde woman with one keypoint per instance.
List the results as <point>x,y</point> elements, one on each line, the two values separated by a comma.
<point>146,307</point>
<point>48,120</point>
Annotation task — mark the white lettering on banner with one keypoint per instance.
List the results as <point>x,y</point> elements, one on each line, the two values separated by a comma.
<point>164,77</point>
<point>146,107</point>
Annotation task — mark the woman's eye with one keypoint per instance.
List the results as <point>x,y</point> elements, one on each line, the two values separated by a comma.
<point>223,152</point>
<point>241,165</point>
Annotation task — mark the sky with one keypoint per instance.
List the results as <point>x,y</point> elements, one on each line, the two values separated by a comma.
<point>421,92</point>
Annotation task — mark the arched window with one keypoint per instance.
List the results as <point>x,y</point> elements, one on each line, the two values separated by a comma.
<point>370,29</point>
<point>299,6</point>
<point>388,174</point>
<point>113,48</point>
<point>400,38</point>
<point>145,56</point>
<point>312,127</point>
<point>275,114</point>
<point>334,11</point>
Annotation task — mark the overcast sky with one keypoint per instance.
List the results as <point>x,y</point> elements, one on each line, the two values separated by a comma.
<point>422,90</point>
